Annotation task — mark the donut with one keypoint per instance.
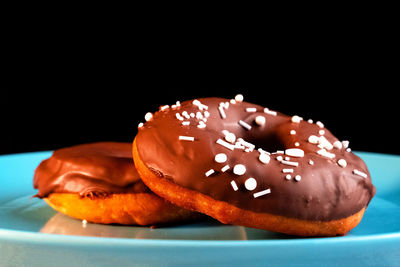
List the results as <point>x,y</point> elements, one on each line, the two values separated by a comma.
<point>98,183</point>
<point>244,164</point>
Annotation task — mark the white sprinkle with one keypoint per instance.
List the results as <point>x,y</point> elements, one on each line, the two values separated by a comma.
<point>360,173</point>
<point>239,145</point>
<point>325,143</point>
<point>199,105</point>
<point>321,132</point>
<point>233,101</point>
<point>310,121</point>
<point>199,116</point>
<point>270,112</point>
<point>287,158</point>
<point>337,144</point>
<point>140,125</point>
<point>345,143</point>
<point>185,123</point>
<point>250,184</point>
<point>186,115</point>
<point>262,193</point>
<point>84,223</point>
<point>248,149</point>
<point>179,117</point>
<point>209,172</point>
<point>296,119</point>
<point>251,109</point>
<point>287,170</point>
<point>311,162</point>
<point>245,125</point>
<point>234,186</point>
<point>325,153</point>
<point>297,178</point>
<point>192,115</point>
<point>291,163</point>
<point>178,104</point>
<point>186,138</point>
<point>239,98</point>
<point>260,120</point>
<point>225,168</point>
<point>201,125</point>
<point>348,149</point>
<point>148,116</point>
<point>320,124</point>
<point>264,158</point>
<point>222,112</point>
<point>246,144</point>
<point>221,158</point>
<point>206,114</point>
<point>279,158</point>
<point>292,132</point>
<point>164,107</point>
<point>297,144</point>
<point>230,137</point>
<point>239,169</point>
<point>225,144</point>
<point>196,102</point>
<point>342,163</point>
<point>313,139</point>
<point>279,152</point>
<point>294,152</point>
<point>288,177</point>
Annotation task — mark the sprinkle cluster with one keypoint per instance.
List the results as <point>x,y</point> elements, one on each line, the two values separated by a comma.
<point>228,140</point>
<point>200,116</point>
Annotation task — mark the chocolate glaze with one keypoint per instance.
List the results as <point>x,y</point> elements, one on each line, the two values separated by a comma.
<point>92,170</point>
<point>326,190</point>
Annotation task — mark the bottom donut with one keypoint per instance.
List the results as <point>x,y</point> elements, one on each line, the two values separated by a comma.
<point>98,182</point>
<point>229,214</point>
<point>128,209</point>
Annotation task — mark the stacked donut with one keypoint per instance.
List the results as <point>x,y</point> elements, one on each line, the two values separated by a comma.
<point>244,164</point>
<point>98,183</point>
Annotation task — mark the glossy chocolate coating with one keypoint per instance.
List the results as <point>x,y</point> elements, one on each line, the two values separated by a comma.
<point>325,192</point>
<point>92,170</point>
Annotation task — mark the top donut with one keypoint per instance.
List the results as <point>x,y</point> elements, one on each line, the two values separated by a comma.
<point>255,159</point>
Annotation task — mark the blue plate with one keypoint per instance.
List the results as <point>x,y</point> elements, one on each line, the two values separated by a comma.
<point>31,233</point>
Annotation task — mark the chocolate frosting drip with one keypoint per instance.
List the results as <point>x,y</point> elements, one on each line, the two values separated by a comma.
<point>92,170</point>
<point>326,190</point>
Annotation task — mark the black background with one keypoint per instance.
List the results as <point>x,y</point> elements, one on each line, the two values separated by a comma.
<point>68,90</point>
<point>48,113</point>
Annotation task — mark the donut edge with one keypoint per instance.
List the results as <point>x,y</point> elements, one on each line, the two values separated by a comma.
<point>127,209</point>
<point>229,214</point>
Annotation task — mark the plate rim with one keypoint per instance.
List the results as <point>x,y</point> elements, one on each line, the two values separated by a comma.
<point>46,238</point>
<point>24,236</point>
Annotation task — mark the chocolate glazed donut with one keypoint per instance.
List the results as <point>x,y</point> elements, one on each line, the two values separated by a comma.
<point>98,182</point>
<point>247,165</point>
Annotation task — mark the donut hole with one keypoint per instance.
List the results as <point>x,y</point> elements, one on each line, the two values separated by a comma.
<point>270,143</point>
